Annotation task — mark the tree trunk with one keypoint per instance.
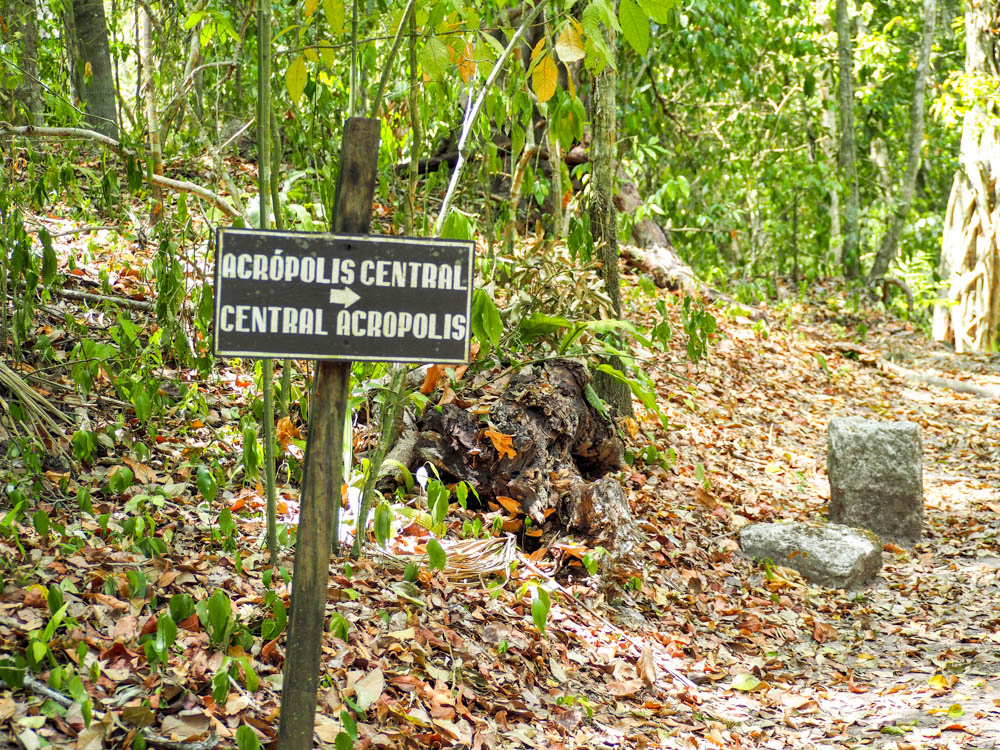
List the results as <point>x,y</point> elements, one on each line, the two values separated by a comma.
<point>970,255</point>
<point>152,121</point>
<point>92,66</point>
<point>847,157</point>
<point>890,242</point>
<point>23,14</point>
<point>602,213</point>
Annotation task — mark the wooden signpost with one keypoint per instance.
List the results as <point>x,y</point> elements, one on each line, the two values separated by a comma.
<point>335,298</point>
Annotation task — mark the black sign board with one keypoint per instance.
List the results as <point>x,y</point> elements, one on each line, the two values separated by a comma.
<point>305,295</point>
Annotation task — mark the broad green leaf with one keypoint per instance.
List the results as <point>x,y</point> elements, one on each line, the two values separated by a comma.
<point>545,78</point>
<point>602,11</point>
<point>193,19</point>
<point>457,226</point>
<point>955,711</point>
<point>246,738</point>
<point>745,682</point>
<point>383,523</point>
<point>658,10</point>
<point>335,15</point>
<point>339,626</point>
<point>207,485</point>
<point>494,43</point>
<point>434,58</point>
<point>436,556</point>
<point>350,725</point>
<point>635,26</point>
<point>540,607</point>
<point>486,324</point>
<point>296,77</point>
<point>539,324</point>
<point>343,741</point>
<point>48,257</point>
<point>569,45</point>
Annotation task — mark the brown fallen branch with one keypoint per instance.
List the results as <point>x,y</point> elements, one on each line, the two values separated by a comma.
<point>959,386</point>
<point>91,297</point>
<point>30,131</point>
<point>668,271</point>
<point>871,358</point>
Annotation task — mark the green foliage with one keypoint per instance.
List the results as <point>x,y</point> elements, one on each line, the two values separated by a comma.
<point>699,324</point>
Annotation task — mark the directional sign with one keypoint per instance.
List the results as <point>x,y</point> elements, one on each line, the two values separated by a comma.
<point>305,295</point>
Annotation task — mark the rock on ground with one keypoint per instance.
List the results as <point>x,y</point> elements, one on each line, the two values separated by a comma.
<point>876,477</point>
<point>828,554</point>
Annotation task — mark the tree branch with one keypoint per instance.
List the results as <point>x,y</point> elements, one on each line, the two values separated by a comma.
<point>30,131</point>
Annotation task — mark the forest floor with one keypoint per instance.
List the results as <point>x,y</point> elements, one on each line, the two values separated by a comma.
<point>912,661</point>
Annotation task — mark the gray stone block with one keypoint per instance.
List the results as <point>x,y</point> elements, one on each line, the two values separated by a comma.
<point>824,553</point>
<point>876,477</point>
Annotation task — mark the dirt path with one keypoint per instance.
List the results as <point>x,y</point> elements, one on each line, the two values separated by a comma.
<point>912,661</point>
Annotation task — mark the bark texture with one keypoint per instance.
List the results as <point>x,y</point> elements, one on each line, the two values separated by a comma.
<point>890,242</point>
<point>563,452</point>
<point>27,101</point>
<point>847,156</point>
<point>92,66</point>
<point>602,212</point>
<point>970,254</point>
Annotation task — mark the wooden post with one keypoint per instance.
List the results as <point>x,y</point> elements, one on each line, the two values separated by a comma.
<point>320,502</point>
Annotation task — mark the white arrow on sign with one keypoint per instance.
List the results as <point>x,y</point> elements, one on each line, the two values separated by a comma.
<point>345,296</point>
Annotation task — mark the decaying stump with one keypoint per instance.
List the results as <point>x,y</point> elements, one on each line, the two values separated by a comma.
<point>563,451</point>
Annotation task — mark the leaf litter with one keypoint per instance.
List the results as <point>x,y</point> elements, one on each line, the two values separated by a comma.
<point>912,661</point>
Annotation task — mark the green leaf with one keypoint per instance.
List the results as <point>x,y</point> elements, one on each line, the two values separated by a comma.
<point>436,555</point>
<point>434,58</point>
<point>207,485</point>
<point>335,15</point>
<point>48,257</point>
<point>193,19</point>
<point>410,572</point>
<point>343,741</point>
<point>658,10</point>
<point>181,607</point>
<point>41,521</point>
<point>955,711</point>
<point>339,626</point>
<point>12,671</point>
<point>540,607</point>
<point>296,77</point>
<point>486,324</point>
<point>745,682</point>
<point>350,726</point>
<point>246,738</point>
<point>55,599</point>
<point>383,523</point>
<point>457,226</point>
<point>635,26</point>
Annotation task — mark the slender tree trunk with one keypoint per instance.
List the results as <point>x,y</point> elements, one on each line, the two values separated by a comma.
<point>94,79</point>
<point>602,212</point>
<point>847,157</point>
<point>890,242</point>
<point>969,317</point>
<point>152,121</point>
<point>25,14</point>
